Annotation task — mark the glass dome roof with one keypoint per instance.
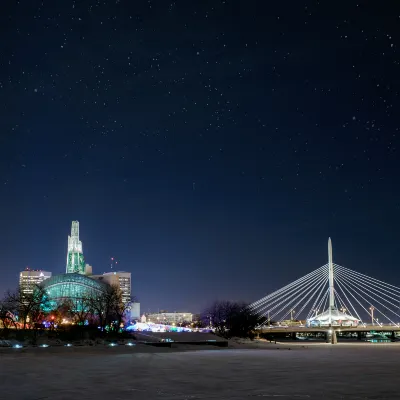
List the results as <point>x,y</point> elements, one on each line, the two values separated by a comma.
<point>72,286</point>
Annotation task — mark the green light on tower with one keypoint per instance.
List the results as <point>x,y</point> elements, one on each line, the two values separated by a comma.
<point>75,260</point>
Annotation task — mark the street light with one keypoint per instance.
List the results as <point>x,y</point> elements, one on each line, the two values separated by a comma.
<point>291,314</point>
<point>372,308</point>
<point>316,311</point>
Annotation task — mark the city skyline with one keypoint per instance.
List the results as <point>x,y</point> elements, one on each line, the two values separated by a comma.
<point>74,244</point>
<point>212,162</point>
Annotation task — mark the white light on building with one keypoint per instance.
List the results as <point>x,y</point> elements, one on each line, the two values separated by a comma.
<point>170,317</point>
<point>29,279</point>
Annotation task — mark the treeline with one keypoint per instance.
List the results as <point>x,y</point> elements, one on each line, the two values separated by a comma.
<point>106,310</point>
<point>231,319</point>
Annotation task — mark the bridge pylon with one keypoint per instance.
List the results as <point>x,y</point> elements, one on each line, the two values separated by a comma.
<point>331,296</point>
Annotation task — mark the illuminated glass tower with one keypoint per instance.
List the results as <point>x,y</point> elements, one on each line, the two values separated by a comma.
<point>75,260</point>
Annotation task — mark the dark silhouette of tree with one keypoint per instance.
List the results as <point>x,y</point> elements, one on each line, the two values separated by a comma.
<point>99,307</point>
<point>109,308</point>
<point>28,306</point>
<point>79,309</point>
<point>7,319</point>
<point>200,323</point>
<point>120,309</point>
<point>231,319</point>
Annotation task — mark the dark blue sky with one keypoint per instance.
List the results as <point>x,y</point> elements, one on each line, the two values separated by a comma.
<point>210,146</point>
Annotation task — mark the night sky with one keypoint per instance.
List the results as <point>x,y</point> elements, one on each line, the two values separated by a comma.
<point>211,147</point>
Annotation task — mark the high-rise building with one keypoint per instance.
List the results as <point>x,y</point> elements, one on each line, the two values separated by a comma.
<point>29,279</point>
<point>120,279</point>
<point>75,260</point>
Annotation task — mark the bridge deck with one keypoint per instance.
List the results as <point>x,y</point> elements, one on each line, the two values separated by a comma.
<point>297,329</point>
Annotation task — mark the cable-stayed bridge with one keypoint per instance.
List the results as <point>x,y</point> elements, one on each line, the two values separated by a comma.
<point>332,297</point>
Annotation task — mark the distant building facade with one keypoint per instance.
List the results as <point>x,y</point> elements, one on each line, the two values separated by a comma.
<point>88,269</point>
<point>135,311</point>
<point>29,279</point>
<point>121,279</point>
<point>170,318</point>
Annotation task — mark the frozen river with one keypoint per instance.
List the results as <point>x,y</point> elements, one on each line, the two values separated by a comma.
<point>319,372</point>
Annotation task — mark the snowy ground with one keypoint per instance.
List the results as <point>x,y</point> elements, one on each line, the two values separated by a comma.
<point>142,372</point>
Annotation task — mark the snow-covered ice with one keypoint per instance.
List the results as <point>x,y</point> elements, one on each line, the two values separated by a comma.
<point>318,372</point>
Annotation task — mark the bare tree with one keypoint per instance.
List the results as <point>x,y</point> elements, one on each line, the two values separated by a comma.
<point>109,307</point>
<point>60,310</point>
<point>79,309</point>
<point>217,315</point>
<point>101,305</point>
<point>121,308</point>
<point>7,318</point>
<point>200,323</point>
<point>230,319</point>
<point>29,306</point>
